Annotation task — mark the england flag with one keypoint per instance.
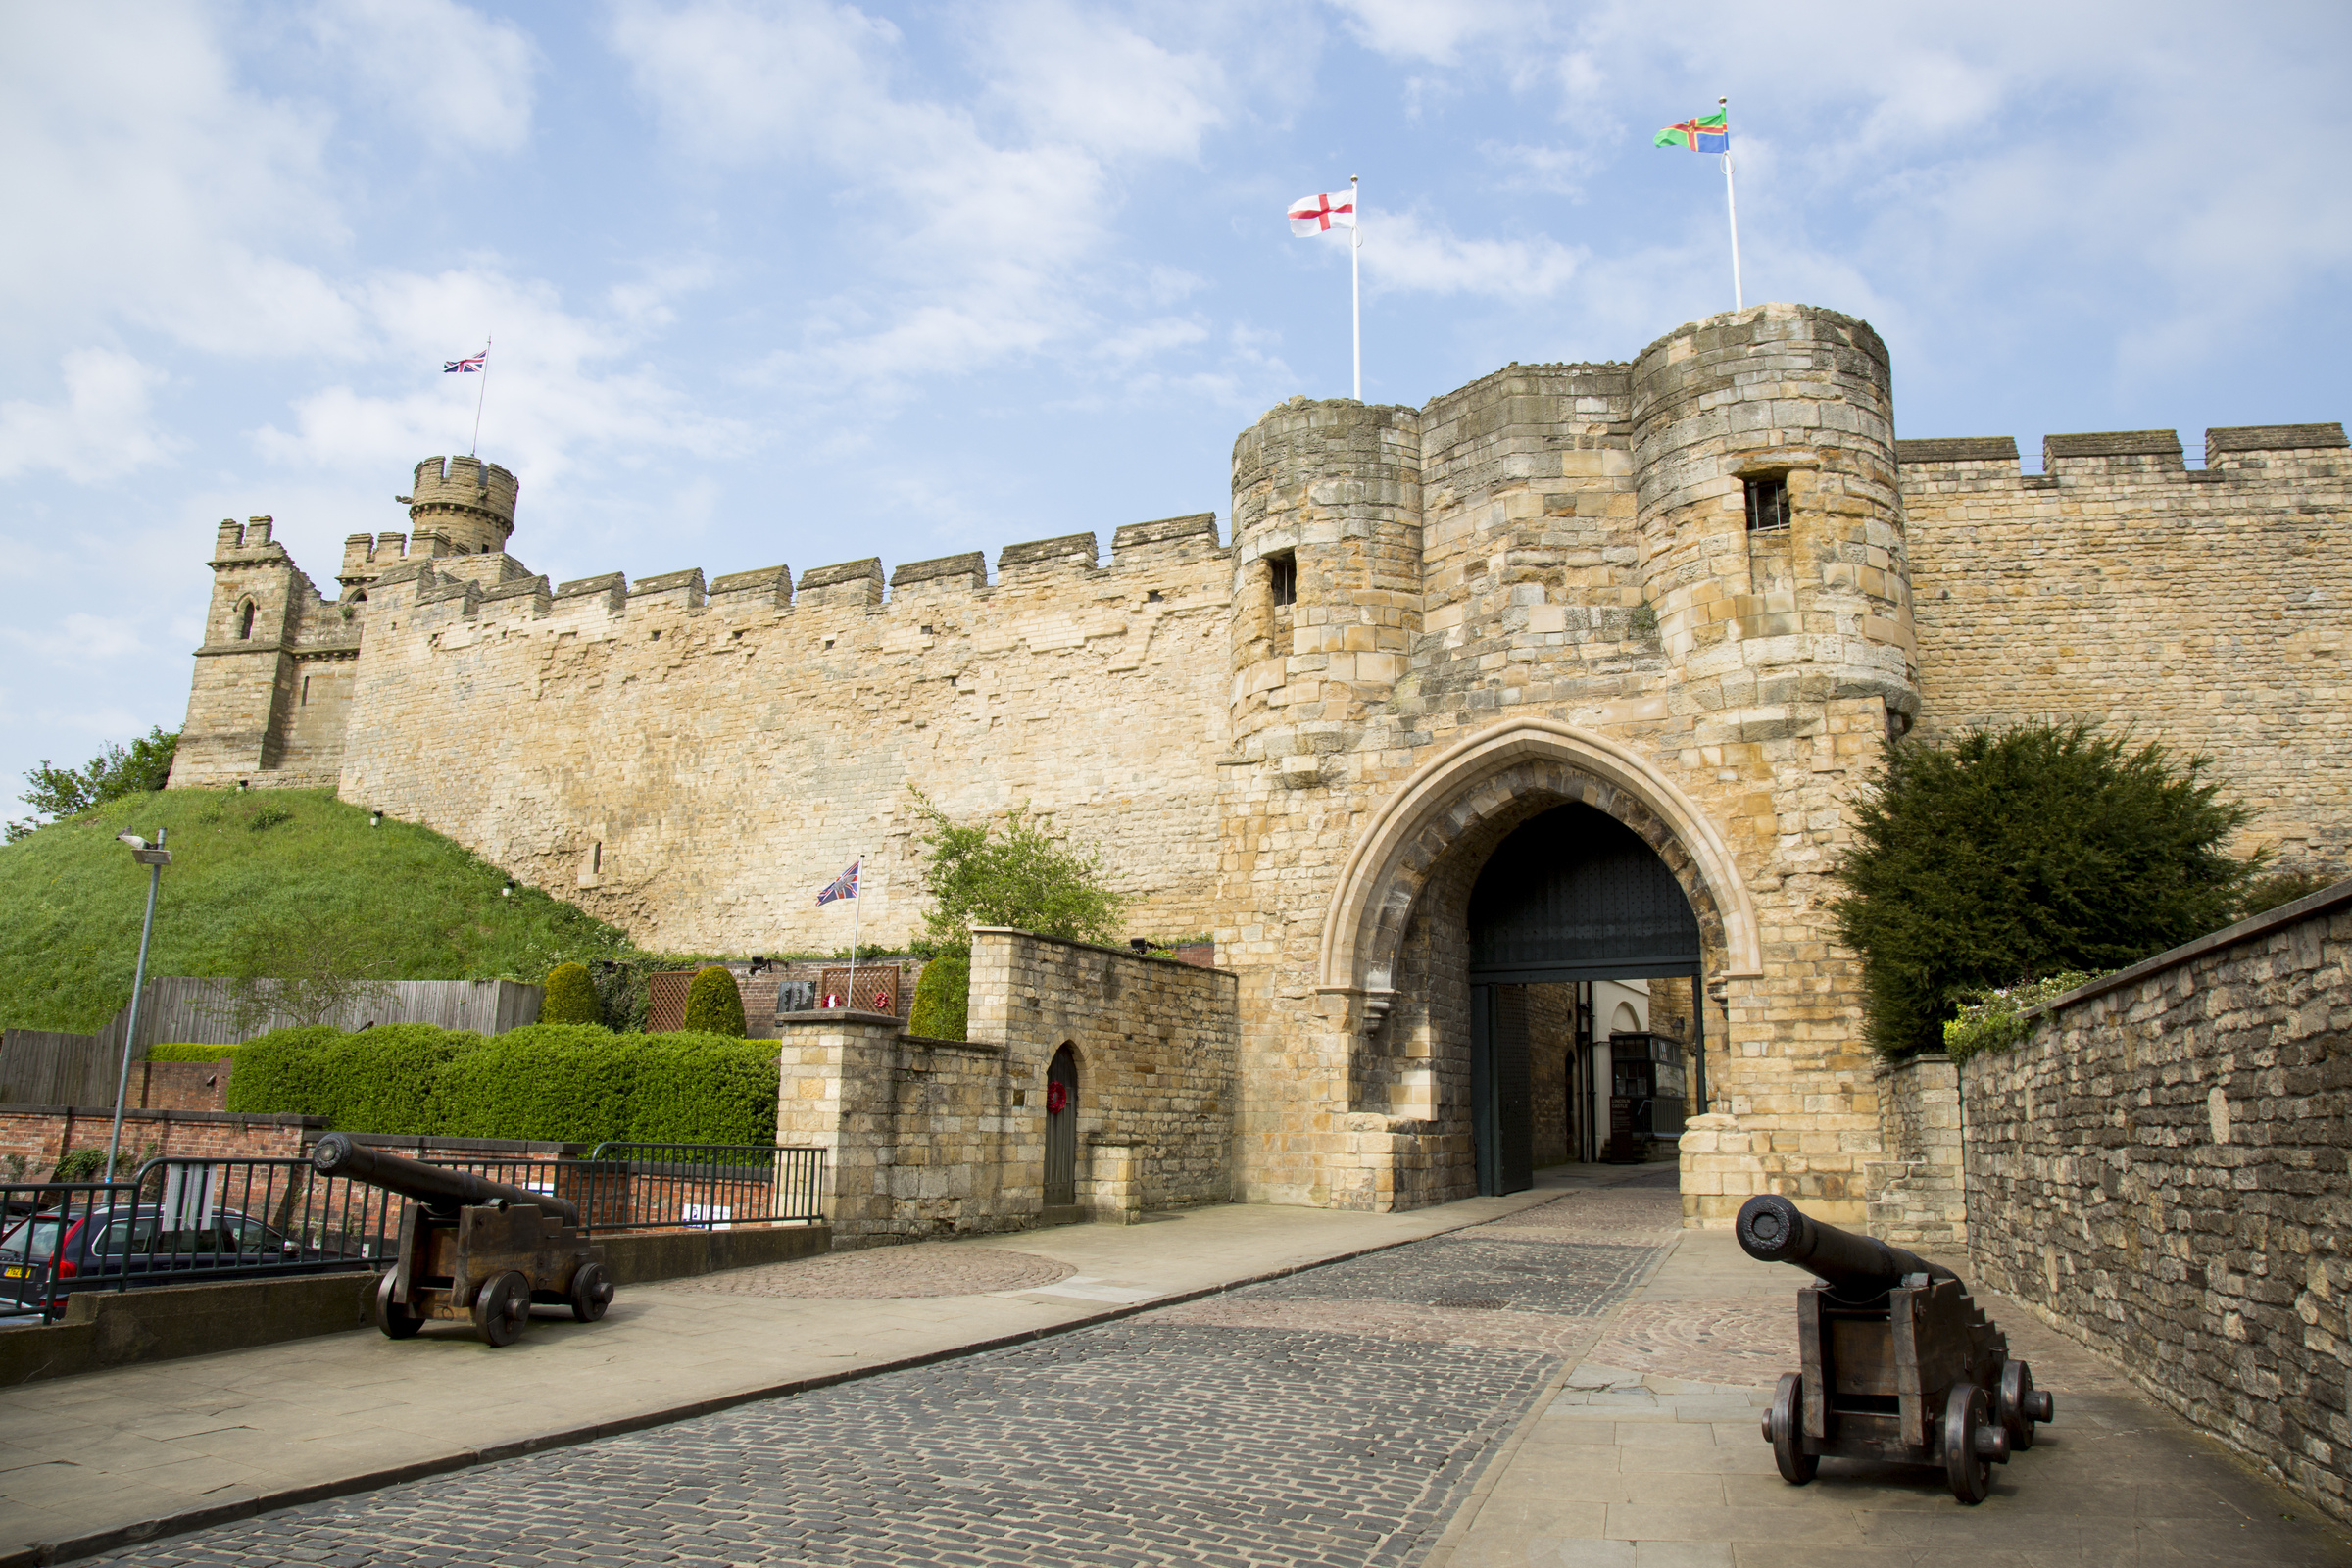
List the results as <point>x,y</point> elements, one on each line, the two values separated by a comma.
<point>1314,214</point>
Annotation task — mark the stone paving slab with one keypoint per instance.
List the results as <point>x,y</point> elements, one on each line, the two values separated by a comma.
<point>1647,1453</point>
<point>1281,1432</point>
<point>83,1460</point>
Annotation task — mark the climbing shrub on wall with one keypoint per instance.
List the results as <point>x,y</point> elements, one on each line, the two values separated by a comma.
<point>713,1003</point>
<point>571,997</point>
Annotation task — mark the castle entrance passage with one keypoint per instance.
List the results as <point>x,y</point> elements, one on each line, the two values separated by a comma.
<point>1570,897</point>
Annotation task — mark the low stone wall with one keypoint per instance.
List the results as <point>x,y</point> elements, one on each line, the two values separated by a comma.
<point>180,1085</point>
<point>945,1137</point>
<point>1156,1042</point>
<point>104,1329</point>
<point>2160,1170</point>
<point>1915,1196</point>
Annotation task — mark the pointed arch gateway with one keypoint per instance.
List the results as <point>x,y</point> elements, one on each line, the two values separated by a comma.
<point>1418,860</point>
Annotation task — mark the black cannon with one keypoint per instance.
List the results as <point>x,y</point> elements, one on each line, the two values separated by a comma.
<point>472,1249</point>
<point>1898,1362</point>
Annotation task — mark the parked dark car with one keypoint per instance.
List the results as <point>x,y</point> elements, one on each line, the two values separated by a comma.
<point>48,1255</point>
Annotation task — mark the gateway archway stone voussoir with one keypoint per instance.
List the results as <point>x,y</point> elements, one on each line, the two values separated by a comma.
<point>1447,797</point>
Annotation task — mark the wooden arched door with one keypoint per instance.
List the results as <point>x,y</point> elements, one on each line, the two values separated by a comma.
<point>1062,1130</point>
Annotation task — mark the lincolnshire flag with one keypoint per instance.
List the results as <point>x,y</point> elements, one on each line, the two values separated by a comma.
<point>843,886</point>
<point>1706,133</point>
<point>464,366</point>
<point>1313,214</point>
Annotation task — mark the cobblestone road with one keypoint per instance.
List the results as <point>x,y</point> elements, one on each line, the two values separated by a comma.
<point>1333,1417</point>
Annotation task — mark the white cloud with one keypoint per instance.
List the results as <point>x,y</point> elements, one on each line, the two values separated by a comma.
<point>558,392</point>
<point>979,246</point>
<point>1436,30</point>
<point>459,78</point>
<point>1402,252</point>
<point>173,198</point>
<point>102,428</point>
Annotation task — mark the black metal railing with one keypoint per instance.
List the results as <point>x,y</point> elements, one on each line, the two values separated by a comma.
<point>182,1221</point>
<point>40,1236</point>
<point>635,1186</point>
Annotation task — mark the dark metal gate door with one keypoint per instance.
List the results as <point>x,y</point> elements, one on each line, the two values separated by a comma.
<point>1062,1130</point>
<point>1501,1090</point>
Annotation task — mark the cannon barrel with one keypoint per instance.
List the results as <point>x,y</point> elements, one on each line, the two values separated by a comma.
<point>1856,1267</point>
<point>434,1185</point>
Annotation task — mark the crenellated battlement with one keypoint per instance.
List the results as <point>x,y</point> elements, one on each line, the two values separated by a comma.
<point>471,501</point>
<point>2091,456</point>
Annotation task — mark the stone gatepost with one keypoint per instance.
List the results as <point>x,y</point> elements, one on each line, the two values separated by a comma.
<point>1111,1187</point>
<point>1917,1194</point>
<point>833,1092</point>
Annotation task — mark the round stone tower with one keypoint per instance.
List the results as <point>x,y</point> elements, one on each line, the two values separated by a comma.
<point>464,500</point>
<point>1327,572</point>
<point>1771,526</point>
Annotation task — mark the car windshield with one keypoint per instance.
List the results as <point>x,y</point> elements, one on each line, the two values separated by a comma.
<point>32,1241</point>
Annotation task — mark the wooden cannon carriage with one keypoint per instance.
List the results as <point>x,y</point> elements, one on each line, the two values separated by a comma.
<point>472,1249</point>
<point>1899,1364</point>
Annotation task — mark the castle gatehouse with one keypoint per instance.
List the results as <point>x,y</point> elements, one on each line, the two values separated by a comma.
<point>1564,681</point>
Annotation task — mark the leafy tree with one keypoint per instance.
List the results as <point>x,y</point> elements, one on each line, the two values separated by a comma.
<point>1023,875</point>
<point>2009,856</point>
<point>140,768</point>
<point>713,1003</point>
<point>296,973</point>
<point>571,997</point>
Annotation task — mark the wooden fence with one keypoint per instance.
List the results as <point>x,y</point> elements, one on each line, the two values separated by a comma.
<point>42,1067</point>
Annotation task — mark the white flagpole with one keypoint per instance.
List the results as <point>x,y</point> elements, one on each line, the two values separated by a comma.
<point>480,393</point>
<point>856,920</point>
<point>1355,278</point>
<point>1731,203</point>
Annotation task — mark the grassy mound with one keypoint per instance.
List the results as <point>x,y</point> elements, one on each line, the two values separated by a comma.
<point>71,899</point>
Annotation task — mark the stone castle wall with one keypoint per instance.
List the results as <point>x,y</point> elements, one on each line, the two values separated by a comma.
<point>695,763</point>
<point>1429,625</point>
<point>2209,608</point>
<point>2158,1170</point>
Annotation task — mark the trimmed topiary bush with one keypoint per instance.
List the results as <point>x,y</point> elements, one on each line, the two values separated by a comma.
<point>571,997</point>
<point>277,1072</point>
<point>943,998</point>
<point>713,1005</point>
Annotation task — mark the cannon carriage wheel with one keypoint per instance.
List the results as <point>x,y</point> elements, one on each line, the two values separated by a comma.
<point>392,1315</point>
<point>1784,1428</point>
<point>502,1307</point>
<point>1973,1442</point>
<point>591,1293</point>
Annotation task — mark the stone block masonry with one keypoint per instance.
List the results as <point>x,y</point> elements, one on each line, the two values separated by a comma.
<point>939,1137</point>
<point>1697,593</point>
<point>2160,1170</point>
<point>615,740</point>
<point>2206,608</point>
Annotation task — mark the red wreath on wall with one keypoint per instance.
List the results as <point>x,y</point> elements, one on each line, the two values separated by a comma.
<point>1058,1098</point>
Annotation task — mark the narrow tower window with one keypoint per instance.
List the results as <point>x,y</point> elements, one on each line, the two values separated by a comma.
<point>1282,572</point>
<point>245,622</point>
<point>1767,505</point>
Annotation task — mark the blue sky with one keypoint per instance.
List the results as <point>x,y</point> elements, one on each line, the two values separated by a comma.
<point>804,282</point>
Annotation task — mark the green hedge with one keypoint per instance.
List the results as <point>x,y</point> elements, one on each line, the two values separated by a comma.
<point>564,1083</point>
<point>190,1051</point>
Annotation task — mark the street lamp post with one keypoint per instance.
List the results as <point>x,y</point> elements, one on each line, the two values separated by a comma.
<point>155,857</point>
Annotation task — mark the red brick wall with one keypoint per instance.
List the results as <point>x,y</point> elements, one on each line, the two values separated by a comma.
<point>180,1085</point>
<point>41,1137</point>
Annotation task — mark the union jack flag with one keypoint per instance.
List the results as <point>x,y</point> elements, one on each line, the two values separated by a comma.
<point>843,886</point>
<point>464,366</point>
